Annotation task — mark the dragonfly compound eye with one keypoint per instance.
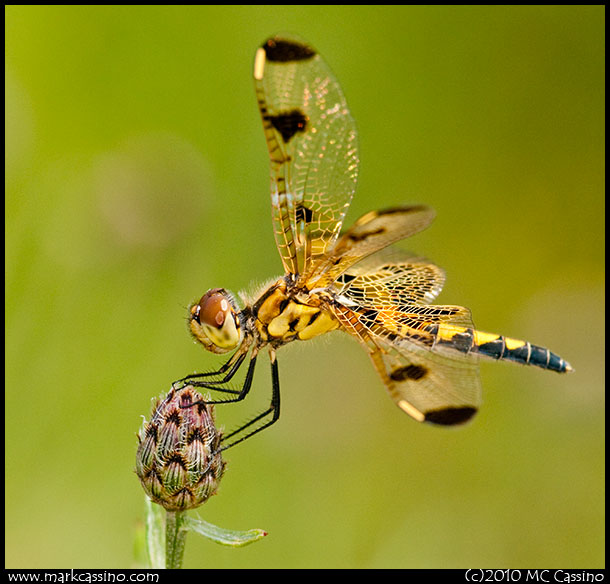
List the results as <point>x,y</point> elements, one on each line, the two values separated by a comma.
<point>214,321</point>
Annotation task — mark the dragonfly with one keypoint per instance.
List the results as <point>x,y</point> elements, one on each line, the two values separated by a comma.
<point>352,280</point>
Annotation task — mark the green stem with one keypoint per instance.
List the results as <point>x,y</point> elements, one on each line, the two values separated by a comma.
<point>175,539</point>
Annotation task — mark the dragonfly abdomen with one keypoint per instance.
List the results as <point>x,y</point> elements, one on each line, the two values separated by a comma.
<point>493,346</point>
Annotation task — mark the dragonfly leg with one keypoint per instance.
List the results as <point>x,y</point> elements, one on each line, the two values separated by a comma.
<point>232,365</point>
<point>273,410</point>
<point>240,394</point>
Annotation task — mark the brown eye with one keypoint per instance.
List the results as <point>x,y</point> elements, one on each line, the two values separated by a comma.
<point>212,309</point>
<point>215,321</point>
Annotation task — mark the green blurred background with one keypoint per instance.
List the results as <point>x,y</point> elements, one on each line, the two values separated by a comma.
<point>137,178</point>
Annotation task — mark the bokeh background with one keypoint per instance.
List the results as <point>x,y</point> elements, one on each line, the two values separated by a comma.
<point>137,178</point>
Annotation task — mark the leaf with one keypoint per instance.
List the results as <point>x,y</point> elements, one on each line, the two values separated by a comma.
<point>223,536</point>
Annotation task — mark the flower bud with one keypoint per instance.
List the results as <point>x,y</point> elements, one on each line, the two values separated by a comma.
<point>178,460</point>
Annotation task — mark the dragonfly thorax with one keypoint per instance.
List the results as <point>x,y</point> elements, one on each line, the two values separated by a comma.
<point>215,321</point>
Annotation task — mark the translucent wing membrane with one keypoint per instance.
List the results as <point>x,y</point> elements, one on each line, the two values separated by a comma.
<point>430,383</point>
<point>372,232</point>
<point>312,144</point>
<point>384,301</point>
<point>426,354</point>
<point>429,386</point>
<point>389,278</point>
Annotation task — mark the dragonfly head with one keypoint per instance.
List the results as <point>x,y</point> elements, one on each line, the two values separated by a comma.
<point>214,321</point>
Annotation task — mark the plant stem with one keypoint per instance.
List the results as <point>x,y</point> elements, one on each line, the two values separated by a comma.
<point>175,539</point>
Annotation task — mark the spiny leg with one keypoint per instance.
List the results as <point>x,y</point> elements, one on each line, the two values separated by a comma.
<point>233,364</point>
<point>240,393</point>
<point>274,408</point>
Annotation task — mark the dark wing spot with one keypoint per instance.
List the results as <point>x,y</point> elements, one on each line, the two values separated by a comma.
<point>445,312</point>
<point>451,416</point>
<point>401,210</point>
<point>345,278</point>
<point>288,124</point>
<point>284,51</point>
<point>304,214</point>
<point>356,237</point>
<point>412,371</point>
